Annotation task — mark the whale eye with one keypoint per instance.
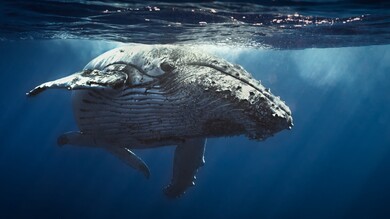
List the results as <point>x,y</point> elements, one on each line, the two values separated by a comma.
<point>167,67</point>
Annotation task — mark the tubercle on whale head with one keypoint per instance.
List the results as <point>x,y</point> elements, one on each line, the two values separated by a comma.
<point>268,115</point>
<point>273,115</point>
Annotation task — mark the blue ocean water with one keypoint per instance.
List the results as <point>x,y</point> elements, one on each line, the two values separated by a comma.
<point>334,163</point>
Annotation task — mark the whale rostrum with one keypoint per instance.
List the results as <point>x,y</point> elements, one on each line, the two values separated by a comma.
<point>145,96</point>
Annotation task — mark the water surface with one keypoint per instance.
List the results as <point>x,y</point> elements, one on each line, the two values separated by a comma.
<point>270,24</point>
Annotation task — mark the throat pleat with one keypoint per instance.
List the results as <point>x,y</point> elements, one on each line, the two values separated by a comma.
<point>132,113</point>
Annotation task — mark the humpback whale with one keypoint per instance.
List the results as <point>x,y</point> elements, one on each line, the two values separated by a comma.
<point>146,96</point>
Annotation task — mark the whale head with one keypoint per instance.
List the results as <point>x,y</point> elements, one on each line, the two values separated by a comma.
<point>262,114</point>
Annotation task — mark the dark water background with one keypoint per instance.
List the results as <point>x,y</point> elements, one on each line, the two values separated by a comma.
<point>334,163</point>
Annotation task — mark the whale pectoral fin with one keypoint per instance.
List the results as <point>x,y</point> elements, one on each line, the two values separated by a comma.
<point>189,156</point>
<point>130,159</point>
<point>86,79</point>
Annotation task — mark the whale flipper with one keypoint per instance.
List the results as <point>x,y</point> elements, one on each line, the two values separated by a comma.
<point>189,156</point>
<point>86,79</point>
<point>131,159</point>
